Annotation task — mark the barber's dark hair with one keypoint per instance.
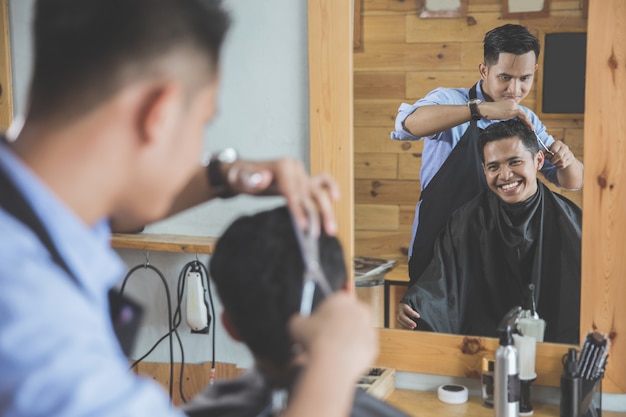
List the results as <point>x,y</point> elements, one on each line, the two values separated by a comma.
<point>505,130</point>
<point>509,38</point>
<point>257,268</point>
<point>86,50</point>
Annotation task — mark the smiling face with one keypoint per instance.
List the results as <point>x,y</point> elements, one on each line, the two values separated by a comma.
<point>511,78</point>
<point>511,169</point>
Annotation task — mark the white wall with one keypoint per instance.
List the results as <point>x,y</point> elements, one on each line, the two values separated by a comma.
<point>263,113</point>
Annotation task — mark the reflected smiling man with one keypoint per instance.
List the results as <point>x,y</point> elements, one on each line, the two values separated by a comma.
<point>515,233</point>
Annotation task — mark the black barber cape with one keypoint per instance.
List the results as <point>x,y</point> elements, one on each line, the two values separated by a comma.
<point>487,255</point>
<point>250,395</point>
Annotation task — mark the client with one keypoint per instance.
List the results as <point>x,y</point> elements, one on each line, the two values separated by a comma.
<point>515,233</point>
<point>258,271</point>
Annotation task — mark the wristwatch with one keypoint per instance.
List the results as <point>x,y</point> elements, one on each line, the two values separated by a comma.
<point>217,179</point>
<point>473,106</point>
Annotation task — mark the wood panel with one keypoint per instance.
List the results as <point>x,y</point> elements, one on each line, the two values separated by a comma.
<point>384,29</point>
<point>375,113</point>
<point>379,84</point>
<point>409,165</point>
<point>604,240</point>
<point>377,139</point>
<point>452,30</point>
<point>418,84</point>
<point>376,217</point>
<point>195,376</point>
<point>386,191</point>
<point>330,99</point>
<point>408,57</point>
<point>6,86</point>
<point>383,244</point>
<point>375,165</point>
<point>164,242</point>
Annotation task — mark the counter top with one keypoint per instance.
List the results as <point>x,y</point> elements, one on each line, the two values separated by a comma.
<point>426,403</point>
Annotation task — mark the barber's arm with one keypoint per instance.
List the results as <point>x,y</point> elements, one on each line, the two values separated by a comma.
<point>340,344</point>
<point>284,176</point>
<point>429,120</point>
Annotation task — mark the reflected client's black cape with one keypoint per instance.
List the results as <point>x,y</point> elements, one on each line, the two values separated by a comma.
<point>487,255</point>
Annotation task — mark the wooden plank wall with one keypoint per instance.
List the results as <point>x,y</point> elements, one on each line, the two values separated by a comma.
<point>195,376</point>
<point>400,59</point>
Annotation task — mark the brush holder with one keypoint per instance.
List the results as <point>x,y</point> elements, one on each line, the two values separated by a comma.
<point>591,402</point>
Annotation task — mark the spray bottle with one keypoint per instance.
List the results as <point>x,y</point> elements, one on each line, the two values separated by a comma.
<point>506,383</point>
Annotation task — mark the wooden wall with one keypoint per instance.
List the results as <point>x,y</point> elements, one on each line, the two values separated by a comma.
<point>400,58</point>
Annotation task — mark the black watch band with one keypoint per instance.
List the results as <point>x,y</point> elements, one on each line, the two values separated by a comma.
<point>473,106</point>
<point>217,180</point>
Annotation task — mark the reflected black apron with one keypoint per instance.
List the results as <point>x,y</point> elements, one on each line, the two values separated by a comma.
<point>459,179</point>
<point>125,313</point>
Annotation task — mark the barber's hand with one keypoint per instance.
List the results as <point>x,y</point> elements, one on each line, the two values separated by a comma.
<point>340,330</point>
<point>563,156</point>
<point>502,110</point>
<point>406,315</point>
<point>288,177</point>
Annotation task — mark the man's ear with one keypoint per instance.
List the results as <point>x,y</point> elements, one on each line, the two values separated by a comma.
<point>230,327</point>
<point>482,69</point>
<point>539,159</point>
<point>158,112</point>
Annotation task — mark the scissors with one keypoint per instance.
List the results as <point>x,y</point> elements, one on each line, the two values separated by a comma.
<point>313,274</point>
<point>543,145</point>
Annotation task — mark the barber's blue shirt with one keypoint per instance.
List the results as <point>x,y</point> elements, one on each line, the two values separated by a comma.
<point>58,352</point>
<point>438,147</point>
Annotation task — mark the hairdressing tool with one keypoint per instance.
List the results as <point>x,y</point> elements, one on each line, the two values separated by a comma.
<point>543,145</point>
<point>529,322</point>
<point>506,382</point>
<point>309,247</point>
<point>526,349</point>
<point>571,385</point>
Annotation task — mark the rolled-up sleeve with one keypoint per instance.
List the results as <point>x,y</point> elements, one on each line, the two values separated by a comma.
<point>403,112</point>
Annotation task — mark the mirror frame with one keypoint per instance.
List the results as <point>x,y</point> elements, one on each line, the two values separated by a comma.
<point>331,151</point>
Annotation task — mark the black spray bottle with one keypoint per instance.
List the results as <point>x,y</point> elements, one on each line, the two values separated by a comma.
<point>571,386</point>
<point>507,384</point>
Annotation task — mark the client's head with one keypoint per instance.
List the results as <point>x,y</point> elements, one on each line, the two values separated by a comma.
<point>258,270</point>
<point>511,159</point>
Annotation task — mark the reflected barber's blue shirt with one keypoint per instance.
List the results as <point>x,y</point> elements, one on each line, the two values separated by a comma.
<point>438,147</point>
<point>58,353</point>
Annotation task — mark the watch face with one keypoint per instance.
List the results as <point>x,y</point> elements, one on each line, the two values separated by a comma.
<point>227,155</point>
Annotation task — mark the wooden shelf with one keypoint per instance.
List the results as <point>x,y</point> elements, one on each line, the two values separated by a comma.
<point>164,242</point>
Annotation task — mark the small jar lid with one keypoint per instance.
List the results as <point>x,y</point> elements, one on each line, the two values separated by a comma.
<point>453,394</point>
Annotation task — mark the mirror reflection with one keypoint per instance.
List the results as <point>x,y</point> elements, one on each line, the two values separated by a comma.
<point>422,77</point>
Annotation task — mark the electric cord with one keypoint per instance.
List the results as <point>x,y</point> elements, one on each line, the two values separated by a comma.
<point>146,265</point>
<point>212,303</point>
<point>175,320</point>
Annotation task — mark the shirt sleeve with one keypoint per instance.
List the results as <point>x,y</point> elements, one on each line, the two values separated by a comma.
<point>435,97</point>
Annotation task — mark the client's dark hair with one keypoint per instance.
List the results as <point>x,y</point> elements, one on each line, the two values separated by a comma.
<point>86,50</point>
<point>257,268</point>
<point>505,130</point>
<point>509,38</point>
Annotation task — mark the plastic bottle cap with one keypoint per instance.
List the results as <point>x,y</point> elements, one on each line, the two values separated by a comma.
<point>452,394</point>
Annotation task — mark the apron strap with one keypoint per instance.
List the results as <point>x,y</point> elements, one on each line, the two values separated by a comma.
<point>459,179</point>
<point>15,204</point>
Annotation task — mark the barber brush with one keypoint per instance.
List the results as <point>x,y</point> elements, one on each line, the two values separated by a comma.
<point>526,348</point>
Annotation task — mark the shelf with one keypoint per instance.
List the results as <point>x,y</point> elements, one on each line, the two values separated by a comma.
<point>164,242</point>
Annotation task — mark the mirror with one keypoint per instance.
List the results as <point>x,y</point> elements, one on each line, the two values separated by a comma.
<point>331,150</point>
<point>402,59</point>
